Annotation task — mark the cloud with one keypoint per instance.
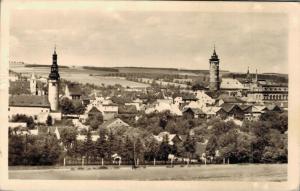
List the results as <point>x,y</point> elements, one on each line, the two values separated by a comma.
<point>151,38</point>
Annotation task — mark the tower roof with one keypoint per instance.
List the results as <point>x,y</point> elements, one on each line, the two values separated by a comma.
<point>54,75</point>
<point>214,56</point>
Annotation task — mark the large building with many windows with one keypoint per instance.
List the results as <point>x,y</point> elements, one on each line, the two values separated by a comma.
<point>269,92</point>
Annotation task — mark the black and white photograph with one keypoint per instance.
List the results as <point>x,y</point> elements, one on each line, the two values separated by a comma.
<point>149,91</point>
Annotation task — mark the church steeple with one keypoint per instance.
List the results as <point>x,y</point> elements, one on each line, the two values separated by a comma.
<point>53,84</point>
<point>214,55</point>
<point>214,78</point>
<point>54,75</point>
<point>248,76</point>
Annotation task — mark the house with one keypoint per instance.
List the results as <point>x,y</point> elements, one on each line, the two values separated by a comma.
<point>94,112</point>
<point>110,111</point>
<point>232,86</point>
<point>178,101</point>
<point>81,137</point>
<point>73,91</point>
<point>193,112</point>
<point>188,98</point>
<point>166,101</point>
<point>204,98</point>
<point>127,110</point>
<point>38,107</point>
<point>223,98</point>
<point>230,110</point>
<point>162,107</point>
<point>172,138</point>
<point>273,107</point>
<point>210,111</point>
<point>114,123</point>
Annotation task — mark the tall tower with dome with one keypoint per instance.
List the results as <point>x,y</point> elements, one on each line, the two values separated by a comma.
<point>53,83</point>
<point>214,78</point>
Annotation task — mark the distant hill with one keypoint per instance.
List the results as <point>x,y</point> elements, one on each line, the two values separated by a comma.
<point>42,66</point>
<point>162,70</point>
<point>107,69</point>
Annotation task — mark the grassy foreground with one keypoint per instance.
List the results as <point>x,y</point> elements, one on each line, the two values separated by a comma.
<point>250,172</point>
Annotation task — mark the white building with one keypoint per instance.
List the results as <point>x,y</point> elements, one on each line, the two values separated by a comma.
<point>38,107</point>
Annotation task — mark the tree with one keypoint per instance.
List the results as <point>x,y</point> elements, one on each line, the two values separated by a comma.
<point>152,148</point>
<point>101,145</point>
<point>68,137</point>
<point>34,150</point>
<point>139,150</point>
<point>24,118</point>
<point>94,121</point>
<point>78,107</point>
<point>165,149</point>
<point>128,150</point>
<point>16,149</point>
<point>88,146</point>
<point>190,146</point>
<point>67,106</point>
<point>49,120</point>
<point>111,144</point>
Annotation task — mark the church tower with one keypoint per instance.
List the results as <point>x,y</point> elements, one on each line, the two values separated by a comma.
<point>33,85</point>
<point>53,83</point>
<point>248,76</point>
<point>214,78</point>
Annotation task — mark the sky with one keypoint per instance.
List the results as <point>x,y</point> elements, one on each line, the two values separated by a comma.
<point>154,38</point>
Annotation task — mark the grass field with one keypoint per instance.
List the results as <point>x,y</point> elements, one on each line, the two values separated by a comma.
<point>250,172</point>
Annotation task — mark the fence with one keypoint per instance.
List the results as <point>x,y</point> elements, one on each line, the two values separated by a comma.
<point>83,161</point>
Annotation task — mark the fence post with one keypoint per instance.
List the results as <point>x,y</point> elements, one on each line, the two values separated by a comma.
<point>154,161</point>
<point>102,162</point>
<point>64,161</point>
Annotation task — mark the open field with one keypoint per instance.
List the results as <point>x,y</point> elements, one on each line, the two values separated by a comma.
<point>79,75</point>
<point>249,172</point>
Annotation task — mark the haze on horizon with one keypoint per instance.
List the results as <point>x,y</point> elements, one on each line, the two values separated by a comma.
<point>167,39</point>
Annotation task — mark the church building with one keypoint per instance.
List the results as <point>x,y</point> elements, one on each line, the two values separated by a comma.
<point>39,107</point>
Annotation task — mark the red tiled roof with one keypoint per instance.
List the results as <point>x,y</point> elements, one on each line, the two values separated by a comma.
<point>29,101</point>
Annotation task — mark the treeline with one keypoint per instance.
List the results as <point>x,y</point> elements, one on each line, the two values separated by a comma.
<point>34,150</point>
<point>278,78</point>
<point>43,66</point>
<point>263,141</point>
<point>100,68</point>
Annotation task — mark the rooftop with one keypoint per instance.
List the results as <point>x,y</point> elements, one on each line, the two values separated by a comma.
<point>29,101</point>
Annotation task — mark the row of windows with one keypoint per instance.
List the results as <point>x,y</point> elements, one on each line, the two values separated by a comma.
<point>275,89</point>
<point>276,97</point>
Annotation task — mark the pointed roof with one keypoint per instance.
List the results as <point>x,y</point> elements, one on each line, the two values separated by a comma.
<point>196,111</point>
<point>54,75</point>
<point>94,110</point>
<point>214,56</point>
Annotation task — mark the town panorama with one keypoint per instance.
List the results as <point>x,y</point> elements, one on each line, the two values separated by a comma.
<point>144,118</point>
